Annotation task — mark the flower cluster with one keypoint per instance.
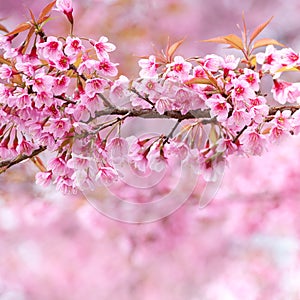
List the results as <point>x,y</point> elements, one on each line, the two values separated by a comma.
<point>55,96</point>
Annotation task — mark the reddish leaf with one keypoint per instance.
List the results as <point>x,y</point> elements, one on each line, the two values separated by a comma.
<point>27,40</point>
<point>198,80</point>
<point>218,40</point>
<point>259,29</point>
<point>3,28</point>
<point>20,28</point>
<point>31,15</point>
<point>266,42</point>
<point>171,50</point>
<point>234,41</point>
<point>46,10</point>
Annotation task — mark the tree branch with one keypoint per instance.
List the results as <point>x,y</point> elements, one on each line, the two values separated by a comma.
<point>4,165</point>
<point>153,114</point>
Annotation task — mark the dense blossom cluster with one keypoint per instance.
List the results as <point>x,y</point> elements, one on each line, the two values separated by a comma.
<point>63,95</point>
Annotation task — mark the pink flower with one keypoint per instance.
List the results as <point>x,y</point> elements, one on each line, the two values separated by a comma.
<point>78,162</point>
<point>212,62</point>
<point>43,98</point>
<point>61,84</point>
<point>42,82</point>
<point>179,68</point>
<point>289,57</point>
<point>252,78</point>
<point>277,134</point>
<point>51,49</point>
<point>174,148</point>
<point>117,150</point>
<point>58,127</point>
<point>26,67</point>
<point>5,72</point>
<point>23,100</point>
<point>94,86</point>
<point>119,90</point>
<point>87,66</point>
<point>43,178</point>
<point>253,143</point>
<point>270,60</point>
<point>219,107</point>
<point>239,119</point>
<point>106,67</point>
<point>282,119</point>
<point>92,103</point>
<point>284,91</point>
<point>82,180</point>
<point>259,112</point>
<point>79,112</point>
<point>61,62</point>
<point>230,63</point>
<point>163,104</point>
<point>64,6</point>
<point>148,67</point>
<point>227,146</point>
<point>102,47</point>
<point>58,166</point>
<point>157,160</point>
<point>64,184</point>
<point>73,46</point>
<point>25,147</point>
<point>242,90</point>
<point>107,175</point>
<point>198,71</point>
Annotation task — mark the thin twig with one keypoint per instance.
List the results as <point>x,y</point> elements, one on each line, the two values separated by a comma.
<point>170,135</point>
<point>142,97</point>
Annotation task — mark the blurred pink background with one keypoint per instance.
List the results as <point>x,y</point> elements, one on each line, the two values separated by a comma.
<point>243,245</point>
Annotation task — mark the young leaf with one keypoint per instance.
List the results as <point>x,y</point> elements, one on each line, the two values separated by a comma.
<point>3,28</point>
<point>20,28</point>
<point>259,29</point>
<point>171,50</point>
<point>32,15</point>
<point>234,41</point>
<point>27,40</point>
<point>266,42</point>
<point>218,40</point>
<point>198,80</point>
<point>46,10</point>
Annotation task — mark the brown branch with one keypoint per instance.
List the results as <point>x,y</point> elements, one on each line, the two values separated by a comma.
<point>153,114</point>
<point>5,164</point>
<point>292,108</point>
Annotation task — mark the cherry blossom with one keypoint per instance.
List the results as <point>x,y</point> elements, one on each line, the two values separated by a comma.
<point>103,47</point>
<point>148,67</point>
<point>62,95</point>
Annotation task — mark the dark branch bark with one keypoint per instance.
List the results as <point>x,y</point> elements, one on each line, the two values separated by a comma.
<point>4,165</point>
<point>152,114</point>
